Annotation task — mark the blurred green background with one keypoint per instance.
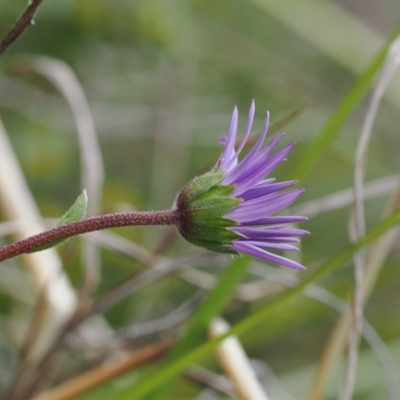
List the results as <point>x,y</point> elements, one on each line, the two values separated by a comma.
<point>161,79</point>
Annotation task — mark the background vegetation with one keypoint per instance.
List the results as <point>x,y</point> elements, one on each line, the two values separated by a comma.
<point>161,79</point>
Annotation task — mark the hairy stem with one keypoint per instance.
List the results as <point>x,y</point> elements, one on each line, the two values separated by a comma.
<point>102,222</point>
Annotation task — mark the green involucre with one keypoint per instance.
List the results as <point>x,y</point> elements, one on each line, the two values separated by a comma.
<point>202,205</point>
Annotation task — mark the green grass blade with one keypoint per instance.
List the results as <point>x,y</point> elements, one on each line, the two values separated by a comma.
<point>149,384</point>
<point>342,113</point>
<point>212,306</point>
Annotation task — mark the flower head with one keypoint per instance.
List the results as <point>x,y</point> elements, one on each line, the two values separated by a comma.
<point>232,208</point>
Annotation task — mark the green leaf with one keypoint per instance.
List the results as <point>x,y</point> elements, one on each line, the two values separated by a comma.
<point>161,377</point>
<point>342,113</point>
<point>75,213</point>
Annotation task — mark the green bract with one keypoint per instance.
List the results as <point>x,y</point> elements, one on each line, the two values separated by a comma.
<point>202,204</point>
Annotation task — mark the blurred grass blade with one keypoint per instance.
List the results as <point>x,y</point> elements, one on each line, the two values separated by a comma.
<point>342,113</point>
<point>212,306</point>
<point>149,384</point>
<point>283,123</point>
<point>75,213</point>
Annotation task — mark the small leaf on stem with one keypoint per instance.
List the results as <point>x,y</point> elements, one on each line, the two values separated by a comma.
<point>75,213</point>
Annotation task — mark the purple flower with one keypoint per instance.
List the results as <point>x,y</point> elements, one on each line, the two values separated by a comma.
<point>232,209</point>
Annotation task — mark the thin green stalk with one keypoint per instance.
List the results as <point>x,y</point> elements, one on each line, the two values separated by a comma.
<point>212,306</point>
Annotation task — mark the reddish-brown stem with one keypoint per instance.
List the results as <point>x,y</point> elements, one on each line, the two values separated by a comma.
<point>34,243</point>
<point>23,22</point>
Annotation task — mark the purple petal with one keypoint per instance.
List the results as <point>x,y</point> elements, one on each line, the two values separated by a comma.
<point>261,197</point>
<point>255,174</point>
<point>284,219</point>
<point>249,162</point>
<point>261,139</point>
<point>253,233</point>
<point>262,190</point>
<point>223,140</point>
<point>250,118</point>
<point>229,150</point>
<point>269,199</point>
<point>248,127</point>
<point>254,251</point>
<point>270,245</point>
<point>267,205</point>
